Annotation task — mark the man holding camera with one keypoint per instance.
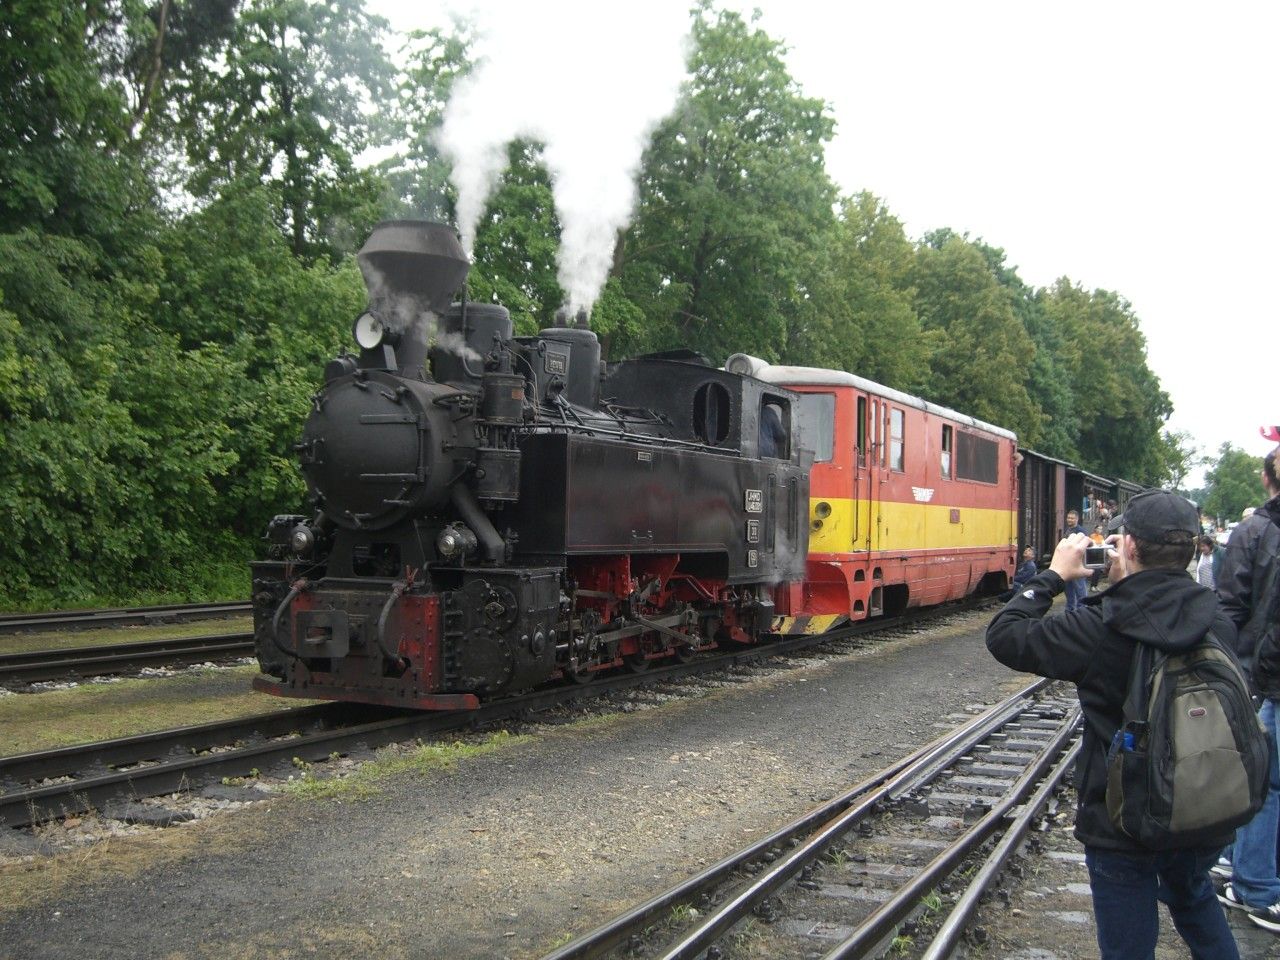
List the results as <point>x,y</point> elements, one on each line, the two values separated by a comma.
<point>1151,599</point>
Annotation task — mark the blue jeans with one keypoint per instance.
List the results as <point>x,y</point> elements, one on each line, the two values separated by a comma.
<point>1126,887</point>
<point>1076,590</point>
<point>1253,860</point>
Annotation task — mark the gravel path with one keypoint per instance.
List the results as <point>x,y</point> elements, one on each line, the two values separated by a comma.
<point>514,851</point>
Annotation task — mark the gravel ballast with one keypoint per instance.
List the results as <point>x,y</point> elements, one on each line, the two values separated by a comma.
<point>512,851</point>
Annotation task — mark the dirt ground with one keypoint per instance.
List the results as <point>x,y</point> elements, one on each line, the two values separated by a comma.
<point>509,852</point>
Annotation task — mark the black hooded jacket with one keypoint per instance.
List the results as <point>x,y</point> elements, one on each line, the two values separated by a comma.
<point>1249,585</point>
<point>1093,648</point>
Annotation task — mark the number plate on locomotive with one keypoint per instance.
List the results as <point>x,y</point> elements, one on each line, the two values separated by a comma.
<point>754,501</point>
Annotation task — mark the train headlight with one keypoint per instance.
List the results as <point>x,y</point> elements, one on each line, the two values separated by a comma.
<point>368,331</point>
<point>455,541</point>
<point>302,541</point>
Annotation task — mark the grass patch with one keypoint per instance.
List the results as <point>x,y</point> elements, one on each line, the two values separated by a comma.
<point>94,711</point>
<point>65,639</point>
<point>367,779</point>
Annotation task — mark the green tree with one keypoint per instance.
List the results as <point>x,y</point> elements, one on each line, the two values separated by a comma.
<point>1181,456</point>
<point>1048,383</point>
<point>161,44</point>
<point>860,314</point>
<point>978,350</point>
<point>733,200</point>
<point>286,104</point>
<point>233,285</point>
<point>1118,403</point>
<point>104,464</point>
<point>64,163</point>
<point>418,175</point>
<point>1232,482</point>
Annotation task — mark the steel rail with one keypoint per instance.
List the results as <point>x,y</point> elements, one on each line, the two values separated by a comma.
<point>884,919</point>
<point>865,794</point>
<point>118,616</point>
<point>174,759</point>
<point>34,665</point>
<point>947,936</point>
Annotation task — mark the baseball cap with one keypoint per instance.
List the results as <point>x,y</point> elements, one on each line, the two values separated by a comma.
<point>1158,516</point>
<point>1270,433</point>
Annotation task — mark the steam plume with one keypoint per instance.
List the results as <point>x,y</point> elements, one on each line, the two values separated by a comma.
<point>590,83</point>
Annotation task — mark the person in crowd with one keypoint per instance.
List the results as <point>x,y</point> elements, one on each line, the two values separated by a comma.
<point>1026,570</point>
<point>1151,599</point>
<point>1249,587</point>
<point>1208,562</point>
<point>1076,589</point>
<point>1097,537</point>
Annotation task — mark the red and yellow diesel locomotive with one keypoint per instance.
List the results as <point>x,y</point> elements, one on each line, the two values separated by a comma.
<point>911,504</point>
<point>494,512</point>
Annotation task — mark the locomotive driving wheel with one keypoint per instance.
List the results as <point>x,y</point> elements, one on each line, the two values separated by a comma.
<point>635,662</point>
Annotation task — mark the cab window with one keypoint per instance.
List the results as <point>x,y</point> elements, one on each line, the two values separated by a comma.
<point>775,428</point>
<point>818,411</point>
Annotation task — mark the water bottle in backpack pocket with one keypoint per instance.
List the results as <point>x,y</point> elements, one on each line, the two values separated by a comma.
<point>1190,762</point>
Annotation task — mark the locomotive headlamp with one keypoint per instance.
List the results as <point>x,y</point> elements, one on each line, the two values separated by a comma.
<point>455,540</point>
<point>302,541</point>
<point>368,330</point>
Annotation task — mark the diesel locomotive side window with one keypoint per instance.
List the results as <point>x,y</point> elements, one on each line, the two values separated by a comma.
<point>862,431</point>
<point>896,420</point>
<point>946,451</point>
<point>977,458</point>
<point>819,412</point>
<point>877,432</point>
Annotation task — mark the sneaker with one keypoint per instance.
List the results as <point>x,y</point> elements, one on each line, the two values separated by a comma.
<point>1222,869</point>
<point>1267,917</point>
<point>1228,898</point>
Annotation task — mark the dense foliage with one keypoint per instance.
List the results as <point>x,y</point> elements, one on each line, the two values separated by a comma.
<point>1234,483</point>
<point>181,193</point>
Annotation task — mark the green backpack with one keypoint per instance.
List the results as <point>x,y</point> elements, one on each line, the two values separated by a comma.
<point>1190,762</point>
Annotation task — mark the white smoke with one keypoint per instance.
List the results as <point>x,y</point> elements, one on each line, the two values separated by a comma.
<point>588,79</point>
<point>399,312</point>
<point>456,344</point>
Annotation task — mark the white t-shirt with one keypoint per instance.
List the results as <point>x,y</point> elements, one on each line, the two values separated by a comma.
<point>1204,571</point>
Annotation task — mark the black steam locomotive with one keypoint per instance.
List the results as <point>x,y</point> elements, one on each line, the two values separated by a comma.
<point>524,511</point>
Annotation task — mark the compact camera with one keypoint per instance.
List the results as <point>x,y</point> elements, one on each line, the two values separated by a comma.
<point>1095,558</point>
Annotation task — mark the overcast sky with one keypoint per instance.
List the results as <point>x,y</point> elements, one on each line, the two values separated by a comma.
<point>1128,146</point>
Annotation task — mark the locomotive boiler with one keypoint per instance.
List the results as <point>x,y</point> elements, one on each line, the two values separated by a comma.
<point>496,511</point>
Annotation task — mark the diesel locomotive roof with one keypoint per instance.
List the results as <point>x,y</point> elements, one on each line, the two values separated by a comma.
<point>819,377</point>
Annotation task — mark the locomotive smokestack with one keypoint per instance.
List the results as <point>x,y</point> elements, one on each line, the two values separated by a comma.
<point>411,269</point>
<point>411,264</point>
<point>582,321</point>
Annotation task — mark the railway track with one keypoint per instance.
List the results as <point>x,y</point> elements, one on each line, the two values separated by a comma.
<point>44,785</point>
<point>863,872</point>
<point>37,665</point>
<point>118,616</point>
